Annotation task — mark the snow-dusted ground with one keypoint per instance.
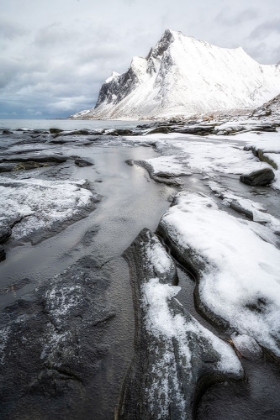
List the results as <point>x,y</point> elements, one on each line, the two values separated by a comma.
<point>36,204</point>
<point>182,154</point>
<point>240,281</point>
<point>239,272</point>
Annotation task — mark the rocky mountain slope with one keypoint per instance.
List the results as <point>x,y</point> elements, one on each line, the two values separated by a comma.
<point>269,109</point>
<point>182,76</point>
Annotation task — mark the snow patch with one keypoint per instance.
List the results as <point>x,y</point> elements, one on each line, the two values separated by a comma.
<point>240,281</point>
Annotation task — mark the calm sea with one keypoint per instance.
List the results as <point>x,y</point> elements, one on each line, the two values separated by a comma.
<point>66,124</point>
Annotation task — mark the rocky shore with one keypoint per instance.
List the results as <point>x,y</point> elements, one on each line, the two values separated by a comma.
<point>222,179</point>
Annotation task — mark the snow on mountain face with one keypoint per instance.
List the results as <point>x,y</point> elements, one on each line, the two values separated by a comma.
<point>185,76</point>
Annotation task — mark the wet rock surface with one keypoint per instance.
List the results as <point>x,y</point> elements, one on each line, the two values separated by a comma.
<point>52,346</point>
<point>169,371</point>
<point>5,233</point>
<point>63,316</point>
<point>2,253</point>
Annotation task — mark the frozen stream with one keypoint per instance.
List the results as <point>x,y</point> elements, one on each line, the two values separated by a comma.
<point>130,201</point>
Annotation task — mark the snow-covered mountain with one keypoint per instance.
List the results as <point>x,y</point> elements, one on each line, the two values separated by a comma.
<point>184,76</point>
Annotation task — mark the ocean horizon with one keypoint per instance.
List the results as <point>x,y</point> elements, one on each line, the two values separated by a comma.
<point>64,124</point>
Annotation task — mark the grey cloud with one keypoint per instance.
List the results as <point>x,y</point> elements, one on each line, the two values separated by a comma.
<point>226,17</point>
<point>265,29</point>
<point>54,35</point>
<point>10,29</point>
<point>57,68</point>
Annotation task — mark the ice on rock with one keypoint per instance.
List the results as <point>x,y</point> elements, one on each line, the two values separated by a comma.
<point>40,204</point>
<point>174,354</point>
<point>257,211</point>
<point>237,271</point>
<point>267,146</point>
<point>204,157</point>
<point>169,165</point>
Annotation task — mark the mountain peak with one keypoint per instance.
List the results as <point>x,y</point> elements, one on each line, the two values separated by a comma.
<point>184,76</point>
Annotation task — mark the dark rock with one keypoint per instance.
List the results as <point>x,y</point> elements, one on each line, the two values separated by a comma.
<point>78,133</point>
<point>2,254</point>
<point>257,178</point>
<point>55,130</point>
<point>32,157</point>
<point>5,233</point>
<point>89,235</point>
<point>162,129</point>
<point>144,126</point>
<point>266,128</point>
<point>7,132</point>
<point>53,347</point>
<point>129,162</point>
<point>200,130</point>
<point>121,132</point>
<point>82,162</point>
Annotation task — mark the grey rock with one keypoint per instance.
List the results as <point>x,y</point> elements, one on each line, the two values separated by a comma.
<point>258,178</point>
<point>41,158</point>
<point>52,347</point>
<point>82,162</point>
<point>161,382</point>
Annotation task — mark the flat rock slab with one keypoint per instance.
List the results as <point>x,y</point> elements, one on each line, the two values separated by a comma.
<point>52,346</point>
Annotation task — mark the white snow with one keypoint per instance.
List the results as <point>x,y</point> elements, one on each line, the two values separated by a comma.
<point>160,322</point>
<point>41,203</point>
<point>113,76</point>
<point>59,301</point>
<point>203,156</point>
<point>258,210</point>
<point>186,76</point>
<point>4,336</point>
<point>241,279</point>
<point>169,165</point>
<point>62,299</point>
<point>165,324</point>
<point>158,257</point>
<point>246,345</point>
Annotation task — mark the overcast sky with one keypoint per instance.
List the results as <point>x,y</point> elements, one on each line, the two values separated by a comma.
<point>55,54</point>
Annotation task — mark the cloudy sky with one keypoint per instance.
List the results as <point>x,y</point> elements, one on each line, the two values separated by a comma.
<point>55,54</point>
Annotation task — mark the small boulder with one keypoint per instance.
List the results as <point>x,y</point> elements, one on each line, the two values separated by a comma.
<point>257,178</point>
<point>55,130</point>
<point>82,162</point>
